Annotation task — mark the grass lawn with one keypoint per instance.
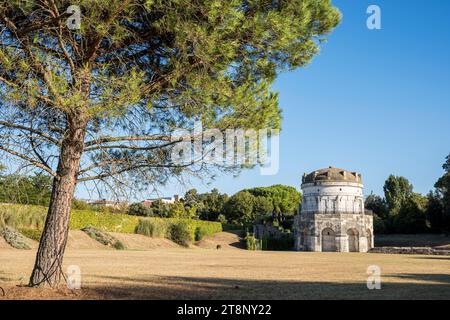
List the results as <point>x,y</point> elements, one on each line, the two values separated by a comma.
<point>233,274</point>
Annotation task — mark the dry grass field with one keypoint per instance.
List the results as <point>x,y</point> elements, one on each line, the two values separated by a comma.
<point>205,273</point>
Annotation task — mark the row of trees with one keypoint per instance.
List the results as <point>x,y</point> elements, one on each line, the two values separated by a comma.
<point>404,211</point>
<point>243,207</point>
<point>23,189</point>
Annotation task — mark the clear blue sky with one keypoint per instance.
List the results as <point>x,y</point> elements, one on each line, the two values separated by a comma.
<point>373,101</point>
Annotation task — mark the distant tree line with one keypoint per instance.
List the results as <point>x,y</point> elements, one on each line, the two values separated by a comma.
<point>402,210</point>
<point>35,189</point>
<point>244,207</point>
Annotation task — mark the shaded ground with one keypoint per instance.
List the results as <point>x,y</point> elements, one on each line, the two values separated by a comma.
<point>233,274</point>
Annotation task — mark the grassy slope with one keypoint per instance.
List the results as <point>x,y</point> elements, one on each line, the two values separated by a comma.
<point>30,220</point>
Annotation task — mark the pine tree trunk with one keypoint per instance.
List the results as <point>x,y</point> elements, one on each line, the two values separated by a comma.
<point>48,266</point>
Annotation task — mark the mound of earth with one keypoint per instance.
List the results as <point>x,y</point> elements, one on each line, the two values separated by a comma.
<point>4,244</point>
<point>227,240</point>
<point>80,240</point>
<point>31,244</point>
<point>141,242</point>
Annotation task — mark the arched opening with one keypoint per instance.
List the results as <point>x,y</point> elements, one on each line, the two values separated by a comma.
<point>328,240</point>
<point>353,240</point>
<point>369,239</point>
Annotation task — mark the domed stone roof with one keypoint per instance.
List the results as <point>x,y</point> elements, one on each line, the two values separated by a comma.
<point>333,175</point>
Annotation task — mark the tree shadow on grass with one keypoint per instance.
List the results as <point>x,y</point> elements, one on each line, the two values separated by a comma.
<point>435,286</point>
<point>445,258</point>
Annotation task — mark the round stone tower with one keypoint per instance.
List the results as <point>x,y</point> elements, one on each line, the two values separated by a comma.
<point>332,217</point>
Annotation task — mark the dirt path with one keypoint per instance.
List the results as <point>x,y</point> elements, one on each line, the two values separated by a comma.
<point>226,240</point>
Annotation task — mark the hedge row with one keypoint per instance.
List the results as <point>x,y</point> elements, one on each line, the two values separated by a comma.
<point>112,222</point>
<point>28,218</point>
<point>159,227</point>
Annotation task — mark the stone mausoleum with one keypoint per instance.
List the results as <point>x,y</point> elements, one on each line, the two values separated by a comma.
<point>332,217</point>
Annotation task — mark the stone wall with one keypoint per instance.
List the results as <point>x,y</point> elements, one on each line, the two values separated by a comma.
<point>350,232</point>
<point>410,250</point>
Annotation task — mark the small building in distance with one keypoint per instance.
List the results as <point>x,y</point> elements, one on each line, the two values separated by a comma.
<point>332,217</point>
<point>167,200</point>
<point>107,203</point>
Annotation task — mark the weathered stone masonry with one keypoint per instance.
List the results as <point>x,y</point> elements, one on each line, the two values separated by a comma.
<point>332,216</point>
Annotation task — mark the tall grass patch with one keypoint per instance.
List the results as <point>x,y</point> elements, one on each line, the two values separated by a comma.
<point>177,230</point>
<point>156,228</point>
<point>17,216</point>
<point>179,233</point>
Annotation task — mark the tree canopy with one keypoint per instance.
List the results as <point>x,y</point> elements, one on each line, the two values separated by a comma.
<point>101,102</point>
<point>35,189</point>
<point>397,191</point>
<point>285,199</point>
<point>138,69</point>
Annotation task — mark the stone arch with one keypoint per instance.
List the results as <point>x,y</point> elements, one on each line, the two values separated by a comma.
<point>328,240</point>
<point>369,239</point>
<point>353,240</point>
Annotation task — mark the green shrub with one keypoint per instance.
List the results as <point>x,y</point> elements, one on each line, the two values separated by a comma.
<point>118,245</point>
<point>179,233</point>
<point>152,227</point>
<point>252,243</point>
<point>222,219</point>
<point>103,238</point>
<point>34,234</point>
<point>139,209</point>
<point>199,233</point>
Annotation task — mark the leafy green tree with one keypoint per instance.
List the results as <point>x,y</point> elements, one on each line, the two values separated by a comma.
<point>212,205</point>
<point>378,205</point>
<point>446,165</point>
<point>411,217</point>
<point>169,210</point>
<point>379,225</point>
<point>435,212</point>
<point>34,190</point>
<point>100,102</point>
<point>239,208</point>
<point>177,210</point>
<point>139,209</point>
<point>397,191</point>
<point>192,199</point>
<point>262,206</point>
<point>443,193</point>
<point>222,219</point>
<point>285,199</point>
